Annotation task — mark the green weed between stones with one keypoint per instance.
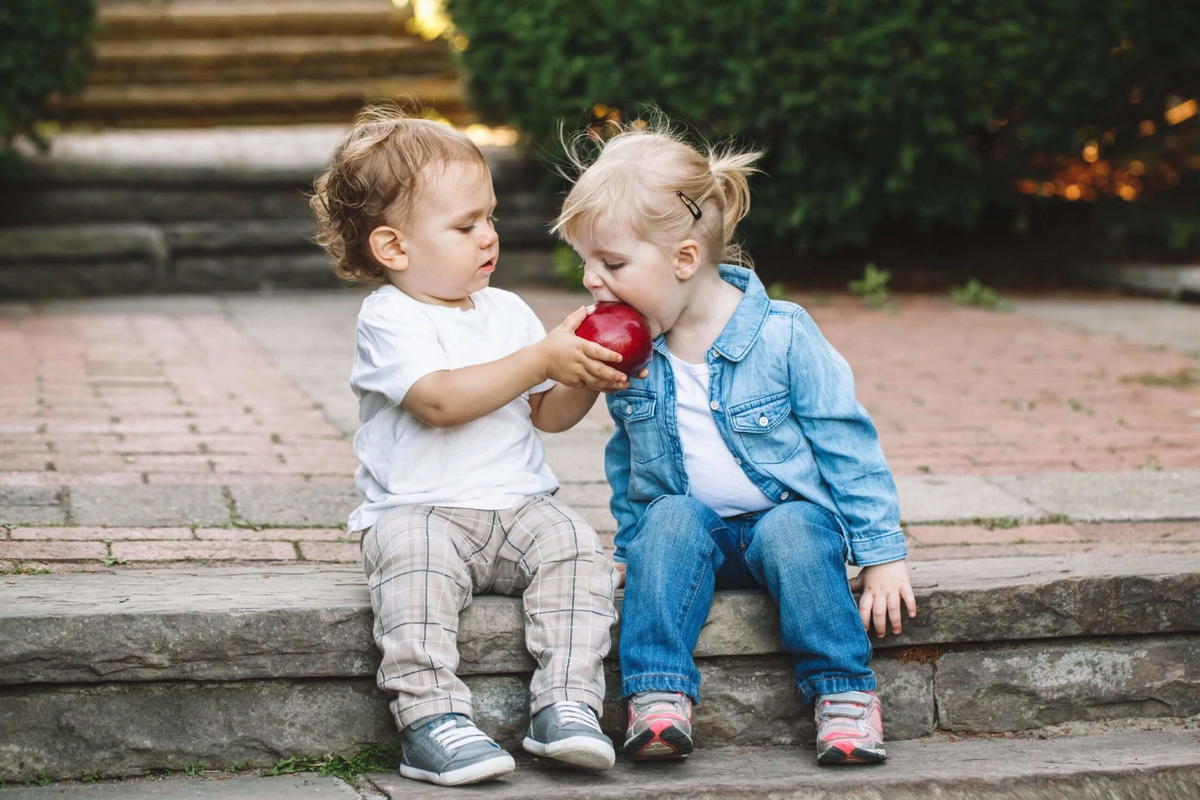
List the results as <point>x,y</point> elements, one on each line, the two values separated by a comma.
<point>977,295</point>
<point>872,287</point>
<point>195,769</point>
<point>1000,523</point>
<point>26,568</point>
<point>378,757</point>
<point>1180,379</point>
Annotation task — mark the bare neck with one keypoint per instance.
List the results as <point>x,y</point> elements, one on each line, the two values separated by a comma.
<point>710,307</point>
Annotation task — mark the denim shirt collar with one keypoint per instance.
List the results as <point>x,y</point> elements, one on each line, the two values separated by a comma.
<point>748,318</point>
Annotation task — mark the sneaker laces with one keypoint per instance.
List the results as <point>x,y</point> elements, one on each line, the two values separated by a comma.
<point>451,737</point>
<point>570,711</point>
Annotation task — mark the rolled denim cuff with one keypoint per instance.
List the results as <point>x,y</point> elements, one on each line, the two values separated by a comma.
<point>878,548</point>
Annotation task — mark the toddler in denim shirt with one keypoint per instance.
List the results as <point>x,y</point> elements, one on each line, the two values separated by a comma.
<point>742,458</point>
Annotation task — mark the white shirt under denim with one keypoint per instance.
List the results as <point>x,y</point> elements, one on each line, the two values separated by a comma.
<point>714,477</point>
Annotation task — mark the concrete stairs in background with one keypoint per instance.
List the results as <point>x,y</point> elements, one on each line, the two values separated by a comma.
<point>194,63</point>
<point>209,210</point>
<point>117,674</point>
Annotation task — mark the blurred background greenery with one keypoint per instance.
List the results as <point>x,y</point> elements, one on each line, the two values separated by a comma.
<point>1015,133</point>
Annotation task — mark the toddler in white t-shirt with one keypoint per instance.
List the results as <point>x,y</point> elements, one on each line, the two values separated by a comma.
<point>452,378</point>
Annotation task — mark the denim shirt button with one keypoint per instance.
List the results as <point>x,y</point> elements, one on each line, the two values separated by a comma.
<point>785,495</point>
<point>629,409</point>
<point>737,461</point>
<point>714,405</point>
<point>713,353</point>
<point>763,422</point>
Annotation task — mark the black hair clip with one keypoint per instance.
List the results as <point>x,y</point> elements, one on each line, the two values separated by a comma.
<point>691,205</point>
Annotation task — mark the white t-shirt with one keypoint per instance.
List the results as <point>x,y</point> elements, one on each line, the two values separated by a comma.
<point>715,477</point>
<point>490,463</point>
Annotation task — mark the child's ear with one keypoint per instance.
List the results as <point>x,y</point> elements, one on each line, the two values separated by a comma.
<point>687,259</point>
<point>387,245</point>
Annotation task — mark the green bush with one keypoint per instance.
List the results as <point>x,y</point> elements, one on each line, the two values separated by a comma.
<point>910,111</point>
<point>43,50</point>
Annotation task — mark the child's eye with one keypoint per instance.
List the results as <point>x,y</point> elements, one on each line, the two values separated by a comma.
<point>467,229</point>
<point>612,267</point>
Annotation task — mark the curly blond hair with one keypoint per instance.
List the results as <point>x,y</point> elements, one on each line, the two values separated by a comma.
<point>375,178</point>
<point>635,181</point>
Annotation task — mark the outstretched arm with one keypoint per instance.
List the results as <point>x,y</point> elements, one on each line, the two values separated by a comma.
<point>448,398</point>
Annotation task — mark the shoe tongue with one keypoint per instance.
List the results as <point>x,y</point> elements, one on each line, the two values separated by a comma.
<point>659,697</point>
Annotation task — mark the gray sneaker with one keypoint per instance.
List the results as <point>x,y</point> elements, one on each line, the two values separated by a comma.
<point>449,750</point>
<point>568,731</point>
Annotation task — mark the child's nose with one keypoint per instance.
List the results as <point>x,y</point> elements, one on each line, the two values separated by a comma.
<point>591,281</point>
<point>489,237</point>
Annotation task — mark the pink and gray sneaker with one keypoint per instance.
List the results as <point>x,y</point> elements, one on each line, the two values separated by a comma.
<point>849,729</point>
<point>660,726</point>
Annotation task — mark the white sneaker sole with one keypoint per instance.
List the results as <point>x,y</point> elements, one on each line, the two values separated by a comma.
<point>496,767</point>
<point>578,751</point>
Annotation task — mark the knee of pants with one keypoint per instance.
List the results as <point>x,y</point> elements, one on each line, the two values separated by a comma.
<point>674,523</point>
<point>800,533</point>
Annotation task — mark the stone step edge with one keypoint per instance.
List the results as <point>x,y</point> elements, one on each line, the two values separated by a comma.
<point>1117,764</point>
<point>216,624</point>
<point>300,153</point>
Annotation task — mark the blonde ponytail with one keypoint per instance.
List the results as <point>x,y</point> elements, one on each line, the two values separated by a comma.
<point>731,171</point>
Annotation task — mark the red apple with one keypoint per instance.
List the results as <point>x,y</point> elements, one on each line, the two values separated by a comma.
<point>620,328</point>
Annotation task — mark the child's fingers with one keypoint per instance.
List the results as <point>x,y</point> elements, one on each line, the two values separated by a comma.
<point>864,610</point>
<point>575,318</point>
<point>910,600</point>
<point>893,605</point>
<point>879,612</point>
<point>598,353</point>
<point>602,371</point>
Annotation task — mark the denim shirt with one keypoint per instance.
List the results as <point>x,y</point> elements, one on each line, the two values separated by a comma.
<point>783,400</point>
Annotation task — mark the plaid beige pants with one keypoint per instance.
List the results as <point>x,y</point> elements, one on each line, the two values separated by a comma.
<point>423,565</point>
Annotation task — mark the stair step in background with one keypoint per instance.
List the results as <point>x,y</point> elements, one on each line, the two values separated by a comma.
<point>225,209</point>
<point>195,63</point>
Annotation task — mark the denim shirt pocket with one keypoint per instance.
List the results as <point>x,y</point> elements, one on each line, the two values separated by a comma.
<point>636,409</point>
<point>767,428</point>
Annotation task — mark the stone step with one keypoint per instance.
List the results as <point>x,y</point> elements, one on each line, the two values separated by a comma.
<point>291,58</point>
<point>1156,765</point>
<point>255,102</point>
<point>116,673</point>
<point>205,19</point>
<point>146,212</point>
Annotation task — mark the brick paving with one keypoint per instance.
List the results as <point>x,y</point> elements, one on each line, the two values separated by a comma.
<point>169,434</point>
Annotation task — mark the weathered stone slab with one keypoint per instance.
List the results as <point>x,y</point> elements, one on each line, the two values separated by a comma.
<point>957,498</point>
<point>75,279</point>
<point>59,243</point>
<point>142,505</point>
<point>1028,686</point>
<point>301,267</point>
<point>308,785</point>
<point>1133,764</point>
<point>247,235</point>
<point>124,729</point>
<point>31,515</point>
<point>1111,497</point>
<point>127,729</point>
<point>326,505</point>
<point>224,623</point>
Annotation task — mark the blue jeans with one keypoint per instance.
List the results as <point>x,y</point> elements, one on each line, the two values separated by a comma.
<point>682,551</point>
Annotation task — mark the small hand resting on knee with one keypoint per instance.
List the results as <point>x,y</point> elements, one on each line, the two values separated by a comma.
<point>883,586</point>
